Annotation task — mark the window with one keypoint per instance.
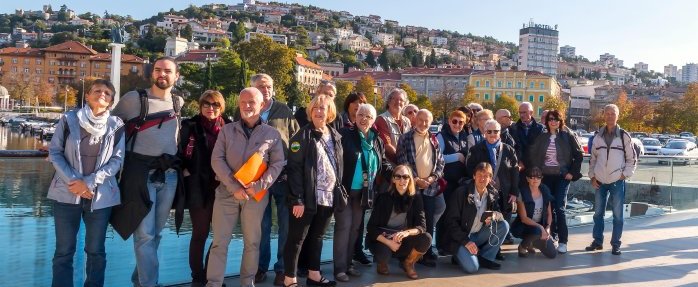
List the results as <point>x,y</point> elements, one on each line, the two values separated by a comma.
<point>82,74</point>
<point>497,95</point>
<point>38,61</point>
<point>26,61</point>
<point>509,85</point>
<point>477,84</point>
<point>477,96</point>
<point>499,84</point>
<point>96,65</point>
<point>519,97</point>
<point>487,97</point>
<point>532,85</point>
<point>542,85</point>
<point>26,70</point>
<point>519,85</point>
<point>38,71</point>
<point>540,111</point>
<point>82,64</point>
<point>531,98</point>
<point>487,84</point>
<point>14,60</point>
<point>541,98</point>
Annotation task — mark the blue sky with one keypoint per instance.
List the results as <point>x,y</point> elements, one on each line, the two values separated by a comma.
<point>654,32</point>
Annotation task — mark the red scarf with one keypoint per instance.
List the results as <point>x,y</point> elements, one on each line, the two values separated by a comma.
<point>211,128</point>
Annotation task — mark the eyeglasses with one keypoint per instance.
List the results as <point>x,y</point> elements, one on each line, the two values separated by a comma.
<point>411,112</point>
<point>489,132</point>
<point>457,122</point>
<point>401,176</point>
<point>553,119</point>
<point>362,116</point>
<point>475,111</point>
<point>207,105</point>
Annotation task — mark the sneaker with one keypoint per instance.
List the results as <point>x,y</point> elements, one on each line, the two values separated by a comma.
<point>362,259</point>
<point>260,276</point>
<point>341,277</point>
<point>562,248</point>
<point>485,263</point>
<point>615,250</point>
<point>594,246</point>
<point>353,272</point>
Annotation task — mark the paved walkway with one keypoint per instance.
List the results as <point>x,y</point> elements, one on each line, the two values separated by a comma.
<point>657,251</point>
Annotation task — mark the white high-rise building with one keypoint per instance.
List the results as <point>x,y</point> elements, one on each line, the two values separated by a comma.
<point>538,45</point>
<point>689,73</point>
<point>642,67</point>
<point>568,51</point>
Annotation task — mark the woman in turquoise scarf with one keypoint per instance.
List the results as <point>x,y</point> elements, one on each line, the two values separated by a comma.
<point>364,159</point>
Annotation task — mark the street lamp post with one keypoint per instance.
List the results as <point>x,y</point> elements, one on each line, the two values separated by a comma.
<point>82,100</point>
<point>375,97</point>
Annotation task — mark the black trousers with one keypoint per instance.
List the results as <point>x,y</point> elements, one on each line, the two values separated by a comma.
<point>308,232</point>
<point>382,253</point>
<point>201,226</point>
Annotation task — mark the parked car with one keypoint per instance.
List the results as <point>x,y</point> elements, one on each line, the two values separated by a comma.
<point>639,135</point>
<point>664,139</point>
<point>686,135</point>
<point>651,146</point>
<point>678,148</point>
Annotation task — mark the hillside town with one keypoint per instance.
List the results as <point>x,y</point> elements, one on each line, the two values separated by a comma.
<point>50,53</point>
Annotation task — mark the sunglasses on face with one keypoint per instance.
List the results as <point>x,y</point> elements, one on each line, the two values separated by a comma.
<point>535,177</point>
<point>553,119</point>
<point>489,132</point>
<point>401,176</point>
<point>475,111</point>
<point>207,105</point>
<point>457,122</point>
<point>412,112</point>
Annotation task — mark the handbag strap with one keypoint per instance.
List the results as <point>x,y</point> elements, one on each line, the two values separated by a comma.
<point>332,161</point>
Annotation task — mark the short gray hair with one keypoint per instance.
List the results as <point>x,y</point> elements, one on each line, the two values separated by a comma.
<point>369,108</point>
<point>528,104</point>
<point>475,106</point>
<point>258,77</point>
<point>493,123</point>
<point>611,107</point>
<point>392,93</point>
<point>503,111</point>
<point>425,111</point>
<point>254,91</point>
<point>416,108</point>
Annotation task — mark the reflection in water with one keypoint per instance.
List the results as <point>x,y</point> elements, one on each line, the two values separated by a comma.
<point>27,229</point>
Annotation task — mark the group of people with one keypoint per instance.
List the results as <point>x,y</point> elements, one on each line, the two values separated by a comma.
<point>128,165</point>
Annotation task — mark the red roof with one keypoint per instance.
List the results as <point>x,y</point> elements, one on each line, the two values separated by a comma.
<point>528,73</point>
<point>437,71</point>
<point>326,77</point>
<point>198,56</point>
<point>125,58</point>
<point>27,52</point>
<point>378,76</point>
<point>71,47</point>
<point>305,63</point>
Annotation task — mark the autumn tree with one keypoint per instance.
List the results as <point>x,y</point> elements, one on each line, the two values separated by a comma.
<point>666,118</point>
<point>411,93</point>
<point>343,90</point>
<point>266,56</point>
<point>469,95</point>
<point>641,116</point>
<point>554,103</point>
<point>687,111</point>
<point>446,100</point>
<point>71,93</point>
<point>366,85</point>
<point>625,107</point>
<point>507,102</point>
<point>44,93</point>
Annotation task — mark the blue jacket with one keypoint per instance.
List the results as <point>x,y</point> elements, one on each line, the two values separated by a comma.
<point>64,154</point>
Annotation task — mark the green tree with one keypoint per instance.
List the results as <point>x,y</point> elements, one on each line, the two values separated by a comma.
<point>687,117</point>
<point>296,96</point>
<point>666,117</point>
<point>187,32</point>
<point>370,60</point>
<point>303,40</point>
<point>223,43</point>
<point>432,61</point>
<point>411,93</point>
<point>238,31</point>
<point>383,60</point>
<point>423,102</point>
<point>267,56</point>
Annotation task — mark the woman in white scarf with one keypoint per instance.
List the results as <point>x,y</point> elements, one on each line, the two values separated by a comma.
<point>85,193</point>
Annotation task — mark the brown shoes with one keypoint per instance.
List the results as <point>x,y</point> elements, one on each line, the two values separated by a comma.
<point>408,264</point>
<point>382,268</point>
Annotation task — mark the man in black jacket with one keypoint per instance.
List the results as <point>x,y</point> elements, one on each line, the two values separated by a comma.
<point>525,131</point>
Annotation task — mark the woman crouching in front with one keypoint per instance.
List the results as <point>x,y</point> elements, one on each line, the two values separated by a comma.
<point>397,224</point>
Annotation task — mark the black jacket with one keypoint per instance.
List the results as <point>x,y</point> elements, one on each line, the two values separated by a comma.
<point>508,173</point>
<point>351,148</point>
<point>518,227</point>
<point>301,167</point>
<point>461,213</point>
<point>383,207</point>
<point>453,171</point>
<point>200,185</point>
<point>569,153</point>
<point>523,141</point>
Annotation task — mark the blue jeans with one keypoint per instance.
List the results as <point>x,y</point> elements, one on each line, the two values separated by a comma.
<point>616,191</point>
<point>559,188</point>
<point>278,191</point>
<point>488,249</point>
<point>67,218</point>
<point>146,238</point>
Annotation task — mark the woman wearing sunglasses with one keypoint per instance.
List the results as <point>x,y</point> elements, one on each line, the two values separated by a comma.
<point>197,138</point>
<point>559,155</point>
<point>397,226</point>
<point>534,217</point>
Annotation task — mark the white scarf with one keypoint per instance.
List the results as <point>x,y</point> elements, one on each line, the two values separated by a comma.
<point>95,126</point>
